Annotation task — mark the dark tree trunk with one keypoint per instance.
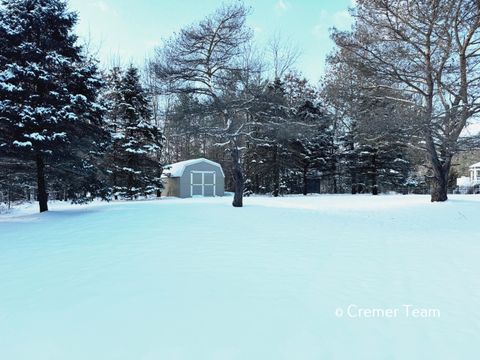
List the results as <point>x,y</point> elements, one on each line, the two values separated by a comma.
<point>130,192</point>
<point>305,190</point>
<point>334,177</point>
<point>440,185</point>
<point>42,189</point>
<point>354,182</point>
<point>353,171</point>
<point>115,177</point>
<point>131,179</point>
<point>441,170</point>
<point>374,173</point>
<point>9,197</point>
<point>238,178</point>
<point>276,173</point>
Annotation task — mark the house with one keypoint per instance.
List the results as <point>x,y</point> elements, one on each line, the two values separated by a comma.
<point>470,184</point>
<point>475,174</point>
<point>195,177</point>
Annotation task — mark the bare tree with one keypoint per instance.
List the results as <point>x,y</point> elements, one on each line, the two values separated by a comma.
<point>206,60</point>
<point>284,54</point>
<point>429,50</point>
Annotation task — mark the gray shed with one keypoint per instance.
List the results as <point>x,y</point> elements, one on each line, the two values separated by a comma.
<point>196,177</point>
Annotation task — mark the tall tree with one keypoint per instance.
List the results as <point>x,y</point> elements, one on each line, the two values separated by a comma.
<point>136,140</point>
<point>206,60</point>
<point>186,129</point>
<point>428,49</point>
<point>271,133</point>
<point>112,99</point>
<point>376,127</point>
<point>48,88</point>
<point>311,146</point>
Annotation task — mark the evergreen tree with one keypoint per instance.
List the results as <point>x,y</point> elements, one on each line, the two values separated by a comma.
<point>291,139</point>
<point>185,130</point>
<point>311,145</point>
<point>113,123</point>
<point>48,87</point>
<point>376,147</point>
<point>136,141</point>
<point>267,153</point>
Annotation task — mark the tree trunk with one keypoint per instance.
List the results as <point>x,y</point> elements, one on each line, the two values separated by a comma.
<point>131,179</point>
<point>115,181</point>
<point>42,190</point>
<point>440,184</point>
<point>305,171</point>
<point>353,171</point>
<point>276,173</point>
<point>374,173</point>
<point>238,178</point>
<point>441,170</point>
<point>354,182</point>
<point>334,177</point>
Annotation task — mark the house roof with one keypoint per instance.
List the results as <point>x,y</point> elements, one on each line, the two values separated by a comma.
<point>177,169</point>
<point>477,165</point>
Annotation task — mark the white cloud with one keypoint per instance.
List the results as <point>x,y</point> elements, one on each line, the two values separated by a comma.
<point>321,28</point>
<point>103,7</point>
<point>281,6</point>
<point>340,19</point>
<point>257,29</point>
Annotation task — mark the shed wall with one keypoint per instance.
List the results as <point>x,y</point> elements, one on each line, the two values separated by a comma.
<point>172,187</point>
<point>201,166</point>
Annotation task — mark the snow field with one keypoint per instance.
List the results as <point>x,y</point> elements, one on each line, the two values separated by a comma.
<point>199,279</point>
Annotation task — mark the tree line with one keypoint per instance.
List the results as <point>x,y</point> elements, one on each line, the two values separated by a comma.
<point>400,87</point>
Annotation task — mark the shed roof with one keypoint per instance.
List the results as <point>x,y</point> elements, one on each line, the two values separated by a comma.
<point>177,169</point>
<point>477,165</point>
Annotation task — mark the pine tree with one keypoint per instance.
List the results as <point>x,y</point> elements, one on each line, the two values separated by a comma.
<point>267,154</point>
<point>48,89</point>
<point>112,99</point>
<point>311,145</point>
<point>185,130</point>
<point>136,141</point>
<point>375,147</point>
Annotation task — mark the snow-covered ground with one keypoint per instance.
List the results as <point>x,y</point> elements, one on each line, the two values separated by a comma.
<point>287,278</point>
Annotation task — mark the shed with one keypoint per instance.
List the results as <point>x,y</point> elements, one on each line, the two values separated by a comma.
<point>195,177</point>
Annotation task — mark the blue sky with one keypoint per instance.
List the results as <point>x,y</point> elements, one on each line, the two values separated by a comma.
<point>130,30</point>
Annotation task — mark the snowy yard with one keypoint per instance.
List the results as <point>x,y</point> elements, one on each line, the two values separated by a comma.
<point>288,278</point>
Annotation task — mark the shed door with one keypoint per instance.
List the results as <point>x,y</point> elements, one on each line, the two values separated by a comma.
<point>202,183</point>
